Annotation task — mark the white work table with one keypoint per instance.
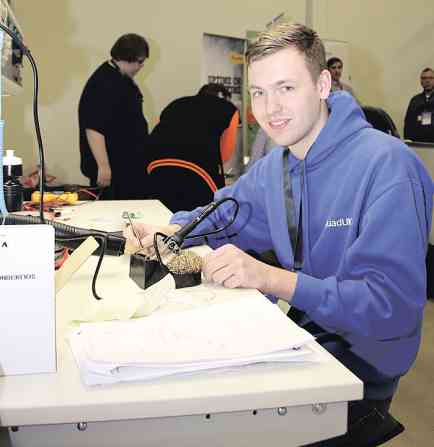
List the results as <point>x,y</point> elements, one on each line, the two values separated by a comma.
<point>286,404</point>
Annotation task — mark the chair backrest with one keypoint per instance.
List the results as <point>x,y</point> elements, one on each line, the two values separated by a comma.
<point>380,120</point>
<point>180,184</point>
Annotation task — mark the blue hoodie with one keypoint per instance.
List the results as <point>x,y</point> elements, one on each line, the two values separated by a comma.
<point>367,207</point>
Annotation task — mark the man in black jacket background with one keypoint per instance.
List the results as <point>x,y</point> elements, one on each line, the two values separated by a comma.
<point>113,129</point>
<point>419,119</point>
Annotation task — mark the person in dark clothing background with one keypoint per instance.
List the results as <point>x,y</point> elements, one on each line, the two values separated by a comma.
<point>113,129</point>
<point>419,119</point>
<point>187,149</point>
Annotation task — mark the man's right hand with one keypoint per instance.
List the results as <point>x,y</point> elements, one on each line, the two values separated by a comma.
<point>145,233</point>
<point>104,176</point>
<point>98,147</point>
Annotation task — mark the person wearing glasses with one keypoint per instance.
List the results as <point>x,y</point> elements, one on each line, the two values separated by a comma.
<point>113,129</point>
<point>419,118</point>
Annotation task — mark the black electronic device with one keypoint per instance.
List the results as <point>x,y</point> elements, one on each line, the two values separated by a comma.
<point>71,237</point>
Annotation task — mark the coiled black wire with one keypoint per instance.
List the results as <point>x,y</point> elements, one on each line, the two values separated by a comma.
<point>103,246</point>
<point>202,235</point>
<point>64,233</point>
<point>72,237</point>
<point>29,56</point>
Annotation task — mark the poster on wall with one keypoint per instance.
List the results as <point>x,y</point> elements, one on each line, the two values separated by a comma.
<point>223,63</point>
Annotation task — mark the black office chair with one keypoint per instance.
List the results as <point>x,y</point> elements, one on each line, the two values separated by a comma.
<point>387,428</point>
<point>380,120</point>
<point>387,431</point>
<point>374,429</point>
<point>430,272</point>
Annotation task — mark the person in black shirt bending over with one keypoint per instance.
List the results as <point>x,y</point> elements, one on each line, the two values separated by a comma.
<point>419,119</point>
<point>187,148</point>
<point>113,129</point>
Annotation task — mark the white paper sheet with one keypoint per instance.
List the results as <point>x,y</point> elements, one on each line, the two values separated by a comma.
<point>94,373</point>
<point>243,327</point>
<point>224,334</point>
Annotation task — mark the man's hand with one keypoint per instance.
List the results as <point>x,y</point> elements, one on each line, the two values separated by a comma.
<point>98,147</point>
<point>232,267</point>
<point>145,233</point>
<point>104,176</point>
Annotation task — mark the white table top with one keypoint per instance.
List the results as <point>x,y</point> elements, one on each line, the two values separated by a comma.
<point>62,398</point>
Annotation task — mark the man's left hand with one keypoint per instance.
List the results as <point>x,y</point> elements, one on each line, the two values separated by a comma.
<point>232,267</point>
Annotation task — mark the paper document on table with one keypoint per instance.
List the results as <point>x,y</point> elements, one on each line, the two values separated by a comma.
<point>242,327</point>
<point>231,333</point>
<point>94,373</point>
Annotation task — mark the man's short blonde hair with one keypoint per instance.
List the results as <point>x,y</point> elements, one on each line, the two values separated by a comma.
<point>294,35</point>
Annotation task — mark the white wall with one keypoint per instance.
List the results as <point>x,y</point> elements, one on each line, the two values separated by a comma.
<point>390,42</point>
<point>70,38</point>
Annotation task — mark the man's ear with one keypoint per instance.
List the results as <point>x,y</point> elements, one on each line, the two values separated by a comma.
<point>324,84</point>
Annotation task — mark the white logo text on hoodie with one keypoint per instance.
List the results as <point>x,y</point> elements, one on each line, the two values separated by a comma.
<point>340,222</point>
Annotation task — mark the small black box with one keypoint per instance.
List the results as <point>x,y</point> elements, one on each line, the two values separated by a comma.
<point>145,273</point>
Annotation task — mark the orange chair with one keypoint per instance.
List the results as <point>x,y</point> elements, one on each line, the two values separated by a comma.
<point>180,184</point>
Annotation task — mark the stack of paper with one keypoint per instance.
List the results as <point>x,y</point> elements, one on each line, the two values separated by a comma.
<point>231,333</point>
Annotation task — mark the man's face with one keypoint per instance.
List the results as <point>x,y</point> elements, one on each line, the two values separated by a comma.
<point>427,81</point>
<point>336,71</point>
<point>132,68</point>
<point>286,102</point>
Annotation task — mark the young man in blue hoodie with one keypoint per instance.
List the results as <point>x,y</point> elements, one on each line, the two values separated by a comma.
<point>347,211</point>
